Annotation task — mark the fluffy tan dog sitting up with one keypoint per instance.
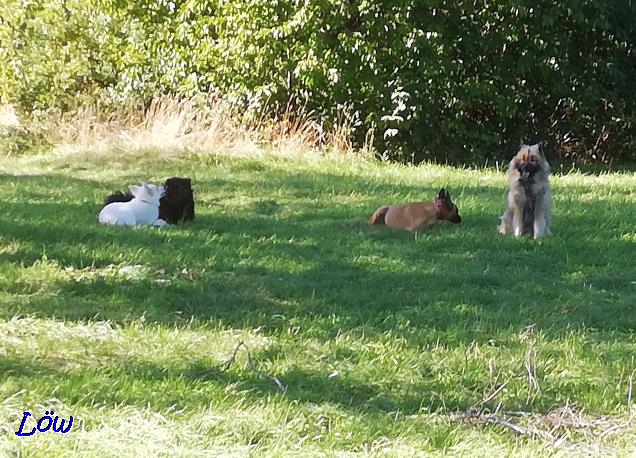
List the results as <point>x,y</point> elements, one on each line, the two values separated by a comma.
<point>528,198</point>
<point>416,215</point>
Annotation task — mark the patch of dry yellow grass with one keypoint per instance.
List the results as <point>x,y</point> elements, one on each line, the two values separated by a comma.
<point>169,128</point>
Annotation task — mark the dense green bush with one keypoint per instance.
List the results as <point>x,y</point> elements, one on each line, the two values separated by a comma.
<point>455,80</point>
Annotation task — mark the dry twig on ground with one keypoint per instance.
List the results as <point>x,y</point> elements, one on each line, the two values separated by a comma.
<point>281,387</point>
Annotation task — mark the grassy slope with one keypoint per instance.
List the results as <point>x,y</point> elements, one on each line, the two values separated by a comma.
<point>377,336</point>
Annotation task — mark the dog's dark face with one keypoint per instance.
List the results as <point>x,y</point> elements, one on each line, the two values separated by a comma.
<point>177,188</point>
<point>449,211</point>
<point>177,203</point>
<point>528,162</point>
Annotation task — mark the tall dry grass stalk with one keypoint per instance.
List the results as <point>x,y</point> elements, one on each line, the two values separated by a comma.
<point>168,128</point>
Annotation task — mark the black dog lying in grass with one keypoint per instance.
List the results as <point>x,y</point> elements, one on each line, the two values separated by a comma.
<point>176,205</point>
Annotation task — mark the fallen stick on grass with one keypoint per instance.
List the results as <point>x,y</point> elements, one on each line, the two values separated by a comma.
<point>521,430</point>
<point>476,413</point>
<point>226,365</point>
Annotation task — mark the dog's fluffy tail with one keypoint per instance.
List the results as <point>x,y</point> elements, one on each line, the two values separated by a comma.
<point>118,197</point>
<point>378,215</point>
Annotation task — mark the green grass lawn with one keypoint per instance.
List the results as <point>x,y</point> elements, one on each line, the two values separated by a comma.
<point>383,341</point>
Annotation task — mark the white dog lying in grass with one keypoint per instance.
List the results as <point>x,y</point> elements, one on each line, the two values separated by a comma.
<point>142,209</point>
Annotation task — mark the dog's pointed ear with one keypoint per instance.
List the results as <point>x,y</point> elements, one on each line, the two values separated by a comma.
<point>542,149</point>
<point>442,194</point>
<point>134,189</point>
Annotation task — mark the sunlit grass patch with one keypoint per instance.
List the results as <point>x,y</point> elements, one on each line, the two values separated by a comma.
<point>383,341</point>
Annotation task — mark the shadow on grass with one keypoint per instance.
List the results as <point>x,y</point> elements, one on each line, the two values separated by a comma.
<point>195,381</point>
<point>300,251</point>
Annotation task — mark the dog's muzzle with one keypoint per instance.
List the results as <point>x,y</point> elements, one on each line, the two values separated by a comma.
<point>527,171</point>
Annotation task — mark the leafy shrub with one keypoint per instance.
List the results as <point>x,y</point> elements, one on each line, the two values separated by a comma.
<point>430,79</point>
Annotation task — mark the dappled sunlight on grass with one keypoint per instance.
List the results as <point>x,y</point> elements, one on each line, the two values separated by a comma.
<point>380,337</point>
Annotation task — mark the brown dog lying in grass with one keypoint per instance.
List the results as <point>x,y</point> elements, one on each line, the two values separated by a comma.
<point>416,215</point>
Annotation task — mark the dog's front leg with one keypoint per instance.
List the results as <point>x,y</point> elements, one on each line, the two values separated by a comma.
<point>159,223</point>
<point>539,226</point>
<point>517,222</point>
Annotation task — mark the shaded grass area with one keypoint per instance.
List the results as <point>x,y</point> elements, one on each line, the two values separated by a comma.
<point>377,335</point>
